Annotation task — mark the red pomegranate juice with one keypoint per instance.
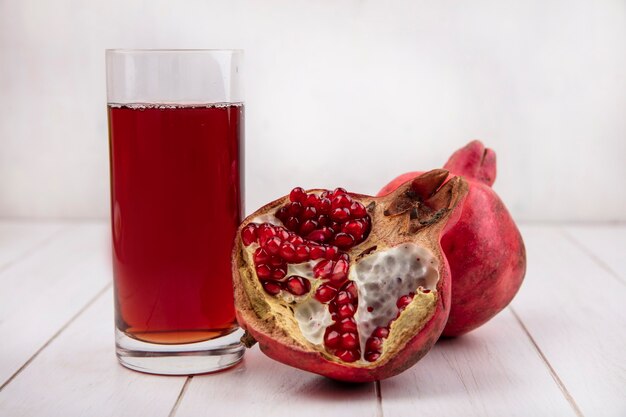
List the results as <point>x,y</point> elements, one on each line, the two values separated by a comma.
<point>176,202</point>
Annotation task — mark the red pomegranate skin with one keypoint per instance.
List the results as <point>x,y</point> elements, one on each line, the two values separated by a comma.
<point>484,248</point>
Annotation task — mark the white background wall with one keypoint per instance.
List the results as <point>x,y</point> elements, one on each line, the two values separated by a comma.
<point>344,93</point>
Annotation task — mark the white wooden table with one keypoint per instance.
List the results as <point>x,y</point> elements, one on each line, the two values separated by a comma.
<point>559,350</point>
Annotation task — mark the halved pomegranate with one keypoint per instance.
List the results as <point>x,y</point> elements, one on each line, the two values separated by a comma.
<point>349,286</point>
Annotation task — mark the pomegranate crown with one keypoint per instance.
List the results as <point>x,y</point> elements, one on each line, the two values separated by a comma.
<point>474,161</point>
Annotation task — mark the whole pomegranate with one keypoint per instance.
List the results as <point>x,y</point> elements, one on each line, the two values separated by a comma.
<point>349,286</point>
<point>485,249</point>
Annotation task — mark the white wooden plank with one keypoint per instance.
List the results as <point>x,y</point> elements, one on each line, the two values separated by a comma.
<point>574,310</point>
<point>45,290</point>
<point>18,239</point>
<point>605,243</point>
<point>262,387</point>
<point>493,371</point>
<point>78,375</point>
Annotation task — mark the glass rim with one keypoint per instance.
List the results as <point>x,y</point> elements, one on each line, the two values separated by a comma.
<point>168,50</point>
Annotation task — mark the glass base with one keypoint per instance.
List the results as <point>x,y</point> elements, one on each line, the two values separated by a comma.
<point>185,359</point>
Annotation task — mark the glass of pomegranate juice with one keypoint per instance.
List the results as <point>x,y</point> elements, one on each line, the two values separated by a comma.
<point>176,153</point>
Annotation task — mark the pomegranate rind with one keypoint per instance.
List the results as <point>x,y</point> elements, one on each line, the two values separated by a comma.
<point>487,259</point>
<point>410,339</point>
<point>486,253</point>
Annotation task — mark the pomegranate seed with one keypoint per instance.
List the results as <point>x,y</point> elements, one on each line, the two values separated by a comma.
<point>323,268</point>
<point>282,213</point>
<point>346,310</point>
<point>294,208</point>
<point>298,195</point>
<point>354,227</point>
<point>341,201</point>
<point>261,256</point>
<point>312,201</point>
<point>344,256</point>
<point>318,252</point>
<point>339,191</point>
<point>287,251</point>
<point>348,325</point>
<point>339,271</point>
<point>404,301</point>
<point>276,260</point>
<point>349,340</point>
<point>308,227</point>
<point>332,338</point>
<point>292,223</point>
<point>298,285</point>
<point>283,233</point>
<point>272,246</point>
<point>357,210</point>
<point>351,289</point>
<point>323,220</point>
<point>325,293</point>
<point>324,205</point>
<point>263,271</point>
<point>271,287</point>
<point>340,214</point>
<point>343,240</point>
<point>248,234</point>
<point>381,332</point>
<point>327,232</point>
<point>265,232</point>
<point>302,253</point>
<point>343,297</point>
<point>332,309</point>
<point>318,236</point>
<point>334,227</point>
<point>331,252</point>
<point>295,239</point>
<point>366,226</point>
<point>347,355</point>
<point>266,228</point>
<point>374,343</point>
<point>357,238</point>
<point>370,309</point>
<point>279,273</point>
<point>309,213</point>
<point>372,356</point>
<point>336,284</point>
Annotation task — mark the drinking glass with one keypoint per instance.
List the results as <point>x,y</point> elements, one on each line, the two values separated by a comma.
<point>176,132</point>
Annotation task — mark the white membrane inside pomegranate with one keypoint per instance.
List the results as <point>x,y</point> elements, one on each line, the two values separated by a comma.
<point>387,282</point>
<point>345,307</point>
<point>313,318</point>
